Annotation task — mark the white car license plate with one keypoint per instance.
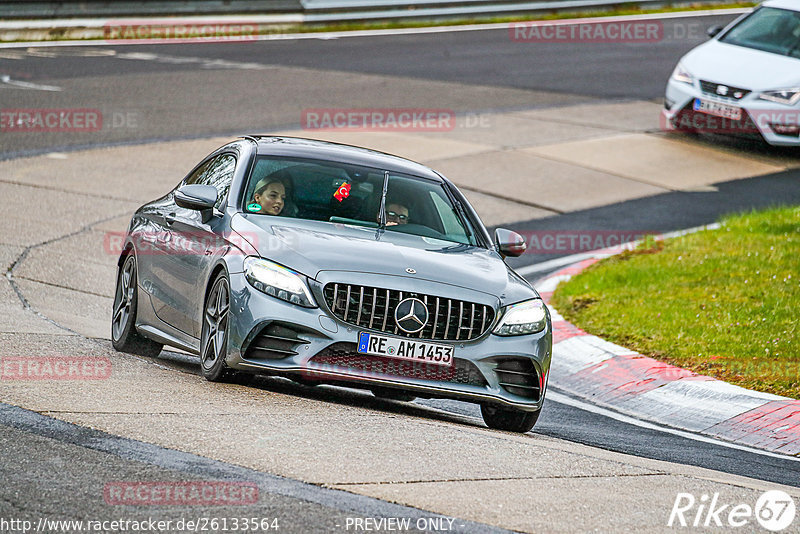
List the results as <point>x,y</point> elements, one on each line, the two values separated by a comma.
<point>717,109</point>
<point>405,349</point>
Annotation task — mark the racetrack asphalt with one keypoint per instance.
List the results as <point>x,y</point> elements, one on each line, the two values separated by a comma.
<point>46,183</point>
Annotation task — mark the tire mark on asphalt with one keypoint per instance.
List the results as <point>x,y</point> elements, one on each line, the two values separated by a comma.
<point>24,254</point>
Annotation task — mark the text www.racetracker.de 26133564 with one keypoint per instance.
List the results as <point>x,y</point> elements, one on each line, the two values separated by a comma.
<point>151,525</point>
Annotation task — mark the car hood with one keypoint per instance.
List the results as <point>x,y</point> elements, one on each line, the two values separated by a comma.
<point>311,247</point>
<point>742,67</point>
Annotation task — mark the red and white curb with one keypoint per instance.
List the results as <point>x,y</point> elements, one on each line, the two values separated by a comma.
<point>618,378</point>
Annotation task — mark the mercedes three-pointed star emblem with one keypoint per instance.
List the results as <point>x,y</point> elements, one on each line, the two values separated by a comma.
<point>411,315</point>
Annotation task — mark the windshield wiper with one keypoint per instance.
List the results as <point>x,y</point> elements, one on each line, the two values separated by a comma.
<point>382,225</point>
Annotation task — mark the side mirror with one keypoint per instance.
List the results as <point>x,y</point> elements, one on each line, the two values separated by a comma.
<point>509,243</point>
<point>197,197</point>
<point>714,30</point>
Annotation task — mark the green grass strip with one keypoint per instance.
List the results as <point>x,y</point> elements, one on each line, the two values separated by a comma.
<point>723,303</point>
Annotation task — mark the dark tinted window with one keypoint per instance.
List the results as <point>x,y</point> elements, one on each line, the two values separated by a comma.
<point>768,29</point>
<point>349,194</point>
<point>217,172</point>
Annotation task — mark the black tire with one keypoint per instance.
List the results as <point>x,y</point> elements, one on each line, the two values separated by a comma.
<point>508,419</point>
<point>124,336</point>
<point>392,394</point>
<point>214,335</point>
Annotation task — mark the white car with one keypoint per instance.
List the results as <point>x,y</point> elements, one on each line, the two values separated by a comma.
<point>745,81</point>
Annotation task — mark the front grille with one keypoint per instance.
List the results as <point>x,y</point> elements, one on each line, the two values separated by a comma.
<point>732,93</point>
<point>274,342</point>
<point>345,355</point>
<point>373,308</point>
<point>518,376</point>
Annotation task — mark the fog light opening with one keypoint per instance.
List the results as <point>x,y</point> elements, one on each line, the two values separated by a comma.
<point>785,129</point>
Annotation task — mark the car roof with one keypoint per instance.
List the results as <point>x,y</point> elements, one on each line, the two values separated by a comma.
<point>273,145</point>
<point>794,5</point>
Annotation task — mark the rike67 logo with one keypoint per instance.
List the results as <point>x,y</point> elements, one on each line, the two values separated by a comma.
<point>774,510</point>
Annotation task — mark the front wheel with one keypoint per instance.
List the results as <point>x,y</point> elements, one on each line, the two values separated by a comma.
<point>124,337</point>
<point>508,419</point>
<point>214,335</point>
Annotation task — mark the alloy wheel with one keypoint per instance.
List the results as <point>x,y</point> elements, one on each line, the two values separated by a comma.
<point>124,297</point>
<point>216,323</point>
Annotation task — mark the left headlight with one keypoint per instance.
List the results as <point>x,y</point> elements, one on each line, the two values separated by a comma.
<point>278,281</point>
<point>789,97</point>
<point>527,317</point>
<point>680,74</point>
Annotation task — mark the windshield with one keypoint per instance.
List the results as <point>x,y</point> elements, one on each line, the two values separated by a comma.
<point>347,194</point>
<point>768,29</point>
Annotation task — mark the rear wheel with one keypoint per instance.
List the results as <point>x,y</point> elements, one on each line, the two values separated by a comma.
<point>124,336</point>
<point>508,419</point>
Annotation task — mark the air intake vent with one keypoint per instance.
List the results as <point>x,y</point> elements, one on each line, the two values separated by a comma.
<point>274,342</point>
<point>518,376</point>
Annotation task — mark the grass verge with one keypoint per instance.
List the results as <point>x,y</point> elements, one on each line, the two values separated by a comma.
<point>530,17</point>
<point>62,34</point>
<point>721,302</point>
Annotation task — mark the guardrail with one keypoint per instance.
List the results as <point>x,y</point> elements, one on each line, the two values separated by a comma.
<point>311,11</point>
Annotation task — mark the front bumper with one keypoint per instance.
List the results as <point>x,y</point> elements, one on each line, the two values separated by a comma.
<point>760,118</point>
<point>313,345</point>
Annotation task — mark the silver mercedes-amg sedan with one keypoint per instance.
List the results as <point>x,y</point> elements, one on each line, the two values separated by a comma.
<point>333,264</point>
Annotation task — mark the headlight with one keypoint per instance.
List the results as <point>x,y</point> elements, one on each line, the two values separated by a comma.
<point>789,97</point>
<point>278,281</point>
<point>526,317</point>
<point>680,74</point>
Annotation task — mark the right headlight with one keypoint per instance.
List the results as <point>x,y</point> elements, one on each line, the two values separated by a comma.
<point>789,96</point>
<point>528,317</point>
<point>680,74</point>
<point>278,281</point>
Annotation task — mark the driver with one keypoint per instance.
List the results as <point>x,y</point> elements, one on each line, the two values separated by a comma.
<point>396,214</point>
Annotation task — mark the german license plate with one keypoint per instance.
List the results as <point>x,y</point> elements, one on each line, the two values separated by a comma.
<point>717,109</point>
<point>405,349</point>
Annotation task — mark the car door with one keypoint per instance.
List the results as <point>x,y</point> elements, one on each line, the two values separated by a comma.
<point>190,246</point>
